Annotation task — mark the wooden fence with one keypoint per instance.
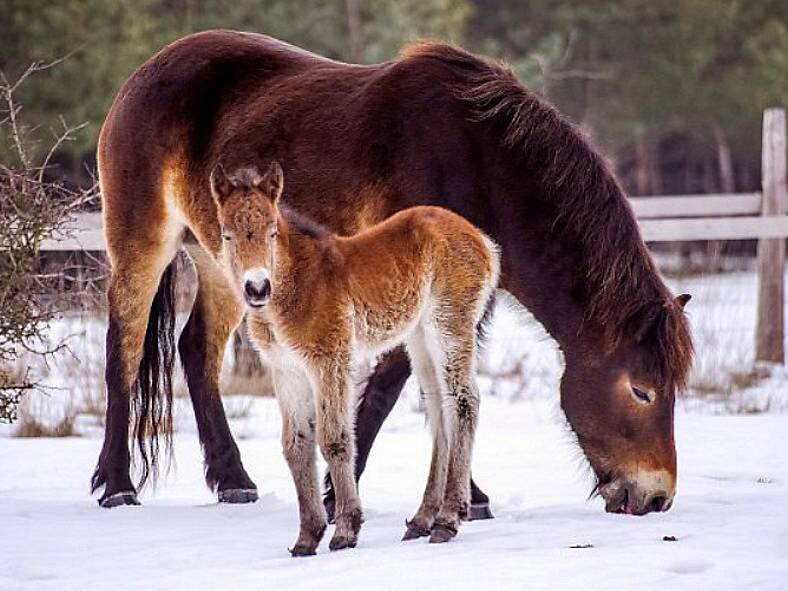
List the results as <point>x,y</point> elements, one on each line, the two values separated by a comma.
<point>742,216</point>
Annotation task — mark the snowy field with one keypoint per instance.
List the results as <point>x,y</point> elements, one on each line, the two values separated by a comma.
<point>729,519</point>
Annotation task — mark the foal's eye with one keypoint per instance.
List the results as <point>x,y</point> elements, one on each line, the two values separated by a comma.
<point>642,395</point>
<point>226,237</point>
<point>274,234</point>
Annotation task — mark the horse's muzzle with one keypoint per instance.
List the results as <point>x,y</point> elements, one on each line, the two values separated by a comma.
<point>256,293</point>
<point>643,493</point>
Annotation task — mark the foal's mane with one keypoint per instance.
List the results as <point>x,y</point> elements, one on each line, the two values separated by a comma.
<point>622,290</point>
<point>303,224</point>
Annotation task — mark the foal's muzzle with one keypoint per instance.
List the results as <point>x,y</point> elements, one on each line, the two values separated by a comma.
<point>257,293</point>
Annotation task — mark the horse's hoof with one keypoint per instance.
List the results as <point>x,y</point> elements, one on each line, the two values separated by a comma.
<point>237,496</point>
<point>414,531</point>
<point>479,511</point>
<point>303,550</point>
<point>441,533</point>
<point>126,497</point>
<point>341,542</point>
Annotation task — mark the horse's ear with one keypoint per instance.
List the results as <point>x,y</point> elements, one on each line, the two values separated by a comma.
<point>220,184</point>
<point>272,181</point>
<point>683,298</point>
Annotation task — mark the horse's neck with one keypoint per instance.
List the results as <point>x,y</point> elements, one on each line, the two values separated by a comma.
<point>536,270</point>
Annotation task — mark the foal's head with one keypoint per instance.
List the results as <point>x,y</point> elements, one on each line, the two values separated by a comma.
<point>249,217</point>
<point>620,402</point>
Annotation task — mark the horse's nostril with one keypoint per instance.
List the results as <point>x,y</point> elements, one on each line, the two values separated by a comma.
<point>250,289</point>
<point>657,503</point>
<point>257,291</point>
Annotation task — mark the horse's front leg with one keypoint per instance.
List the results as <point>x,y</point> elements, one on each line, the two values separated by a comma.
<point>333,392</point>
<point>297,405</point>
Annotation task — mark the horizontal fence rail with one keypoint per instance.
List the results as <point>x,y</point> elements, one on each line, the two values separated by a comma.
<point>690,206</point>
<point>667,219</point>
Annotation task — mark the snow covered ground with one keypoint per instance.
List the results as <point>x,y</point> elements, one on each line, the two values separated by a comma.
<point>729,519</point>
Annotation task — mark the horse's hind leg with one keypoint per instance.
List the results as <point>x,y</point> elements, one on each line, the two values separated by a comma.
<point>215,314</point>
<point>380,395</point>
<point>139,258</point>
<point>424,366</point>
<point>461,414</point>
<point>297,405</point>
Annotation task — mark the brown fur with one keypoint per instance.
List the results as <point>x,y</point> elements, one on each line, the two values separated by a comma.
<point>358,143</point>
<point>422,277</point>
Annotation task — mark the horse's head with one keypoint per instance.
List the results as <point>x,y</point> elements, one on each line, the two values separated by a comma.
<point>620,405</point>
<point>249,217</point>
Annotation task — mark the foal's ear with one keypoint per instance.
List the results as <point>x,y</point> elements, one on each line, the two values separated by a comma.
<point>273,181</point>
<point>683,298</point>
<point>221,186</point>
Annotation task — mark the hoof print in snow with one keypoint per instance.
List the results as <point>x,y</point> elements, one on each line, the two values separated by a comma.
<point>119,499</point>
<point>238,496</point>
<point>442,533</point>
<point>581,546</point>
<point>669,539</point>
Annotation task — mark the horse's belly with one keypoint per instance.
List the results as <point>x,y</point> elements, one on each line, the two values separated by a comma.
<point>380,331</point>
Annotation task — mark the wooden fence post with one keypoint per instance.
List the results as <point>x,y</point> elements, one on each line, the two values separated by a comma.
<point>770,331</point>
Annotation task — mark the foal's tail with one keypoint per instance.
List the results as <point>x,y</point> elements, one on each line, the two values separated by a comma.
<point>151,397</point>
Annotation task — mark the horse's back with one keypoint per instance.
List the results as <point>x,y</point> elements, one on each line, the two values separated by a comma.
<point>357,143</point>
<point>191,79</point>
<point>422,242</point>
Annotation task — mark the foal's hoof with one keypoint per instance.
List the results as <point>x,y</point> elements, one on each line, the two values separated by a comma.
<point>237,496</point>
<point>442,533</point>
<point>479,511</point>
<point>342,542</point>
<point>126,497</point>
<point>415,531</point>
<point>303,550</point>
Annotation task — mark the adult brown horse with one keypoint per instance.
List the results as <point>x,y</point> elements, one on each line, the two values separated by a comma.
<point>438,126</point>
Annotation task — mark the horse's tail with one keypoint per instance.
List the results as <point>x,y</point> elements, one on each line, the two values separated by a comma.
<point>151,402</point>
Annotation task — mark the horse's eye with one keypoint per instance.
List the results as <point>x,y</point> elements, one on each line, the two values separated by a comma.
<point>274,234</point>
<point>226,237</point>
<point>642,395</point>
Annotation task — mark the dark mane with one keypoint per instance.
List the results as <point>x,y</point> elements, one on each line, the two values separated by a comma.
<point>622,289</point>
<point>303,224</point>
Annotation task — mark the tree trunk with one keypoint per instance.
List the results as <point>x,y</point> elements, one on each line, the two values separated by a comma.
<point>641,166</point>
<point>354,30</point>
<point>727,185</point>
<point>724,160</point>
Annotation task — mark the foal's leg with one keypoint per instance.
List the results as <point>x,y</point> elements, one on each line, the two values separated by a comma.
<point>425,370</point>
<point>297,405</point>
<point>215,314</point>
<point>461,414</point>
<point>333,392</point>
<point>380,395</point>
